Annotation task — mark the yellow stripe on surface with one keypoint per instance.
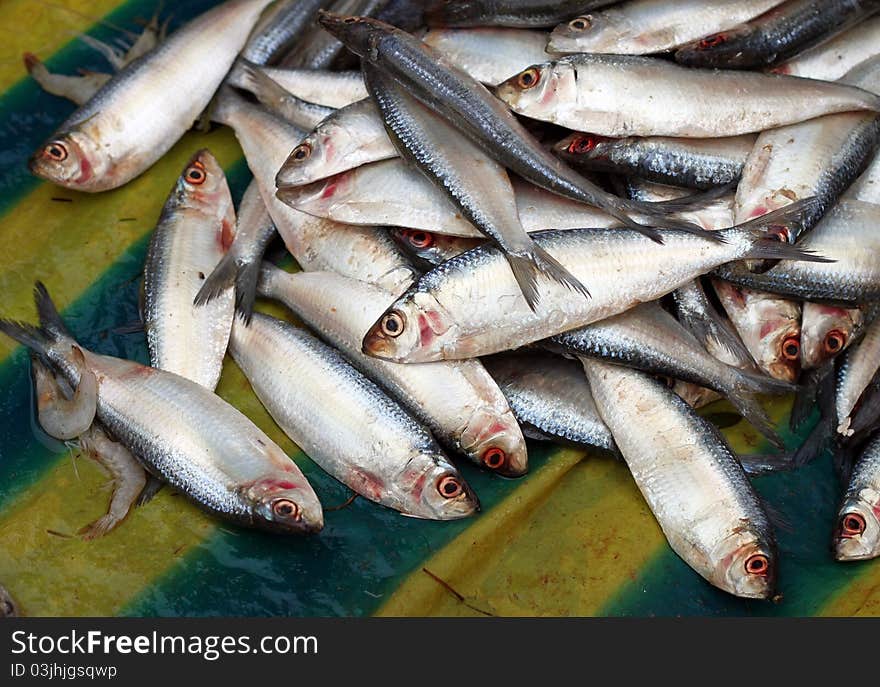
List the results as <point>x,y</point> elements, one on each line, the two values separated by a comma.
<point>43,27</point>
<point>859,598</point>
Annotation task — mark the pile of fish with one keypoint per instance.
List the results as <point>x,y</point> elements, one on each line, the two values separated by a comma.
<point>570,221</point>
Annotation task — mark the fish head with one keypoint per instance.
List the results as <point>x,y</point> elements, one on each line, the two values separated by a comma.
<point>857,536</point>
<point>414,329</point>
<point>746,564</point>
<point>361,35</point>
<point>586,33</point>
<point>72,160</point>
<point>536,89</point>
<point>495,440</point>
<point>585,146</point>
<point>316,156</point>
<point>826,331</point>
<point>716,50</point>
<point>433,489</point>
<point>202,184</point>
<point>284,502</point>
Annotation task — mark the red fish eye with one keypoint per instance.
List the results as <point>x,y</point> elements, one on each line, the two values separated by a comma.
<point>581,23</point>
<point>852,525</point>
<point>582,144</point>
<point>195,174</point>
<point>712,41</point>
<point>835,340</point>
<point>285,508</point>
<point>302,152</point>
<point>393,324</point>
<point>494,458</point>
<point>449,487</point>
<point>791,348</point>
<point>529,78</point>
<point>56,151</point>
<point>421,239</point>
<point>757,564</point>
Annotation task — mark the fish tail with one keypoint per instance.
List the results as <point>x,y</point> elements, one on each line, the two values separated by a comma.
<point>714,327</point>
<point>813,390</point>
<point>751,409</point>
<point>764,248</point>
<point>246,289</point>
<point>151,488</point>
<point>763,384</point>
<point>221,278</point>
<point>38,338</point>
<point>630,223</point>
<point>527,266</point>
<point>50,319</point>
<point>815,442</point>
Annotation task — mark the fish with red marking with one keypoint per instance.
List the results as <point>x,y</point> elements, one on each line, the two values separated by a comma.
<point>195,231</point>
<point>826,331</point>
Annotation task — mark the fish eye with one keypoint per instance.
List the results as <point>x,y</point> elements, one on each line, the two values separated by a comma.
<point>285,508</point>
<point>582,144</point>
<point>581,23</point>
<point>852,525</point>
<point>835,340</point>
<point>791,348</point>
<point>757,564</point>
<point>449,487</point>
<point>494,458</point>
<point>195,174</point>
<point>349,20</point>
<point>56,151</point>
<point>302,152</point>
<point>392,324</point>
<point>712,41</point>
<point>529,78</point>
<point>420,239</point>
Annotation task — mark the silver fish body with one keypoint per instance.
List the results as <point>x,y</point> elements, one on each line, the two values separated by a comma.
<point>510,13</point>
<point>318,86</point>
<point>858,367</point>
<point>456,400</point>
<point>346,424</point>
<point>691,480</point>
<point>857,535</point>
<point>605,94</point>
<point>833,58</point>
<point>195,229</point>
<point>144,109</point>
<point>472,306</point>
<point>278,29</point>
<point>551,399</point>
<point>279,101</point>
<point>364,253</point>
<point>642,27</point>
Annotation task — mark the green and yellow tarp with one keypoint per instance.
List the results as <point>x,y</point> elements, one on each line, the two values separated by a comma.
<point>574,537</point>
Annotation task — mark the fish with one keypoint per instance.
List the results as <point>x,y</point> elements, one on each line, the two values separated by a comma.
<point>642,27</point>
<point>137,116</point>
<point>711,210</point>
<point>65,413</point>
<point>648,338</point>
<point>847,232</point>
<point>317,86</point>
<point>128,479</point>
<point>184,433</point>
<point>511,13</point>
<point>278,101</point>
<point>551,399</point>
<point>691,480</point>
<point>195,230</point>
<point>8,607</point>
<point>446,316</point>
<point>457,400</point>
<point>691,162</point>
<point>352,136</point>
<point>857,535</point>
<point>346,424</point>
<point>365,253</point>
<point>279,29</point>
<point>468,106</point>
<point>827,331</point>
<point>477,185</point>
<point>857,369</point>
<point>769,326</point>
<point>490,55</point>
<point>432,249</point>
<point>817,158</point>
<point>834,57</point>
<point>240,265</point>
<point>777,35</point>
<point>605,94</point>
<point>867,186</point>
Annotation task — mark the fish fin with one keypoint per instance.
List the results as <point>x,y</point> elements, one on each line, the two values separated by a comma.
<point>716,328</point>
<point>815,443</point>
<point>689,227</point>
<point>761,383</point>
<point>751,409</point>
<point>151,488</point>
<point>697,200</point>
<point>768,248</point>
<point>246,289</point>
<point>844,456</point>
<point>762,464</point>
<point>812,389</point>
<point>776,517</point>
<point>221,278</point>
<point>28,335</point>
<point>48,315</point>
<point>526,267</point>
<point>793,214</point>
